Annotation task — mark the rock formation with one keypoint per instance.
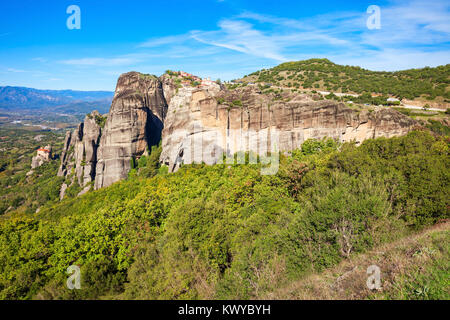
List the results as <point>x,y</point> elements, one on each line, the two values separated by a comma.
<point>100,151</point>
<point>43,155</point>
<point>79,156</point>
<point>134,124</point>
<point>199,120</point>
<point>202,125</point>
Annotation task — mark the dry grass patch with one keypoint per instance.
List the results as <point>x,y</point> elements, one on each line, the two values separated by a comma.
<point>424,255</point>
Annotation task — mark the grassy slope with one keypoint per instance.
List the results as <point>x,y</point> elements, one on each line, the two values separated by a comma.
<point>414,267</point>
<point>322,74</point>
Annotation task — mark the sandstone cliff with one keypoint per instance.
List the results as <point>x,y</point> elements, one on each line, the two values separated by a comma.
<point>134,124</point>
<point>201,125</point>
<point>100,150</point>
<point>201,122</point>
<point>79,156</point>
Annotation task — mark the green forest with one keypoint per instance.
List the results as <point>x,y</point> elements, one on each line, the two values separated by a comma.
<point>228,232</point>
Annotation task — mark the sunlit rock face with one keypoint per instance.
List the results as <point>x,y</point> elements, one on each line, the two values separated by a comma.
<point>80,150</point>
<point>79,155</point>
<point>202,125</point>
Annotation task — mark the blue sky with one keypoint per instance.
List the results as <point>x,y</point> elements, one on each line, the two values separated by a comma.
<point>223,39</point>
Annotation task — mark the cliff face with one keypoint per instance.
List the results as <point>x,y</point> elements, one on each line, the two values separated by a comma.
<point>199,123</point>
<point>79,156</point>
<point>134,124</point>
<point>101,151</point>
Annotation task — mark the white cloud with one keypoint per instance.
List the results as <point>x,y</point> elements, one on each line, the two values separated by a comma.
<point>413,33</point>
<point>161,41</point>
<point>240,36</point>
<point>415,23</point>
<point>39,59</point>
<point>99,62</point>
<point>394,59</point>
<point>13,70</point>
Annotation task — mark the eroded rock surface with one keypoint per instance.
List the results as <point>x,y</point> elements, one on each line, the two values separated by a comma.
<point>202,124</point>
<point>79,155</point>
<point>199,120</point>
<point>134,124</point>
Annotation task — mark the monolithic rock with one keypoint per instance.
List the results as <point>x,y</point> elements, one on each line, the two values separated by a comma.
<point>79,155</point>
<point>44,154</point>
<point>134,124</point>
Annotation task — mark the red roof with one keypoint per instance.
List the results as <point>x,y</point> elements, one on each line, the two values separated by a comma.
<point>45,150</point>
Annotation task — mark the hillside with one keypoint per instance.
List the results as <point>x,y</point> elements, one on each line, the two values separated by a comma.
<point>414,267</point>
<point>20,192</point>
<point>145,214</point>
<point>430,84</point>
<point>226,231</point>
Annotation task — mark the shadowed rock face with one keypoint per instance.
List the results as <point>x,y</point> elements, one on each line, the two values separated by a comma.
<point>134,124</point>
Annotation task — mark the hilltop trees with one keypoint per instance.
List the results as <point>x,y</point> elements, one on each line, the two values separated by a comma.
<point>322,73</point>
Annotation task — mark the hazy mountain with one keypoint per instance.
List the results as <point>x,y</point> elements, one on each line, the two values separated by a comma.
<point>67,101</point>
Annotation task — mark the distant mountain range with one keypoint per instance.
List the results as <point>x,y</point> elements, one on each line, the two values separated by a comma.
<point>64,101</point>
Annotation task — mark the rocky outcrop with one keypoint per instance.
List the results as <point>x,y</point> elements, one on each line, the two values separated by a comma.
<point>204,125</point>
<point>43,155</point>
<point>200,121</point>
<point>100,151</point>
<point>79,155</point>
<point>134,124</point>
